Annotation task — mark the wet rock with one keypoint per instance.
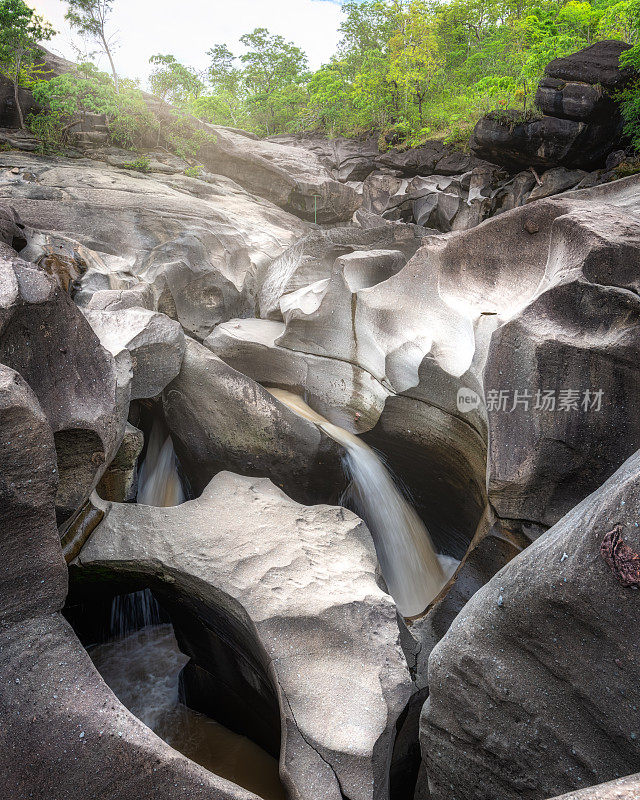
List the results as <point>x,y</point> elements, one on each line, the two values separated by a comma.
<point>120,480</point>
<point>64,734</point>
<point>45,338</point>
<point>534,688</point>
<point>153,343</point>
<point>221,419</point>
<point>342,392</point>
<point>296,584</point>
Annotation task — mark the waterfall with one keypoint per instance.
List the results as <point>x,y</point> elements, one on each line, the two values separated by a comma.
<point>413,572</point>
<point>159,483</point>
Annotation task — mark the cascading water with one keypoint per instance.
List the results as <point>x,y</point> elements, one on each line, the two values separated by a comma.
<point>142,662</point>
<point>159,483</point>
<point>413,572</point>
<point>142,669</point>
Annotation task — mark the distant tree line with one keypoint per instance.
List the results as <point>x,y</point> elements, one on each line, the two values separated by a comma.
<point>407,69</point>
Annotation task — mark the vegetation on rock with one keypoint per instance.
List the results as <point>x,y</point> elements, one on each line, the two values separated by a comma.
<point>20,31</point>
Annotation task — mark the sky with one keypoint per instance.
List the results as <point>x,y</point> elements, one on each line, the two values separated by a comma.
<point>188,28</point>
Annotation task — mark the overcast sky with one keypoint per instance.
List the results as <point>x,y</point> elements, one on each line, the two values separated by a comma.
<point>188,28</point>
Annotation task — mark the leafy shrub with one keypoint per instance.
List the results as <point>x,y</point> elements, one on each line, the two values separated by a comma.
<point>194,172</point>
<point>67,98</point>
<point>141,164</point>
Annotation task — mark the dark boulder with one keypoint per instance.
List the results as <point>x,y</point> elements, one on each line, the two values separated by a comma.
<point>580,125</point>
<point>545,142</point>
<point>535,688</point>
<point>45,338</point>
<point>598,64</point>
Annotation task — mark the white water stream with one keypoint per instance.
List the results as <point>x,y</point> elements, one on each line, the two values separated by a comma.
<point>159,483</point>
<point>412,570</point>
<point>142,663</point>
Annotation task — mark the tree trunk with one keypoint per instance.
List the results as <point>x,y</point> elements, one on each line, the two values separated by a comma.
<point>113,66</point>
<point>16,94</point>
<point>16,90</point>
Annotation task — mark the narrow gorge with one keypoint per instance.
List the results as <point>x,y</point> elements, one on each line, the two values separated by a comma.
<point>320,466</point>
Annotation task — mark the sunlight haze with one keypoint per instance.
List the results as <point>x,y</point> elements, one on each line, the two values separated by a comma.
<point>189,29</point>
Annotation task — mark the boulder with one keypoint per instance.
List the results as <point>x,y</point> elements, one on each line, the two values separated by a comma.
<point>534,689</point>
<point>45,338</point>
<point>349,159</point>
<point>414,161</point>
<point>120,480</point>
<point>205,249</point>
<point>9,117</point>
<point>153,344</point>
<point>572,422</point>
<point>291,589</point>
<point>291,178</point>
<point>221,419</point>
<point>545,142</point>
<point>64,734</point>
<point>597,64</point>
<point>369,267</point>
<point>343,392</point>
<point>11,228</point>
<point>581,123</point>
<point>554,181</point>
<point>621,789</point>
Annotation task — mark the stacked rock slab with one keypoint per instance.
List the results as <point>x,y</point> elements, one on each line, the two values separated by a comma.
<point>534,689</point>
<point>580,123</point>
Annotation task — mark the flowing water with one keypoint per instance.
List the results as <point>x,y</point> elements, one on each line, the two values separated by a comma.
<point>159,483</point>
<point>412,570</point>
<point>142,663</point>
<point>142,669</point>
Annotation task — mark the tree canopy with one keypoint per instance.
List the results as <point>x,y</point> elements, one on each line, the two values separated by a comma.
<point>20,31</point>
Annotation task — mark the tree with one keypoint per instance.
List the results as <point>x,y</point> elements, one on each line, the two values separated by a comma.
<point>66,98</point>
<point>90,18</point>
<point>273,73</point>
<point>415,60</point>
<point>173,81</point>
<point>20,31</point>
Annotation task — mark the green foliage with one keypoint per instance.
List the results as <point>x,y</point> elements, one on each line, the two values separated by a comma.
<point>263,90</point>
<point>174,82</point>
<point>410,69</point>
<point>140,164</point>
<point>194,172</point>
<point>67,98</point>
<point>630,97</point>
<point>90,18</point>
<point>20,31</point>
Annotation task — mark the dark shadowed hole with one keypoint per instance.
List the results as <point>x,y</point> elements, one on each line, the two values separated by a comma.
<point>224,717</point>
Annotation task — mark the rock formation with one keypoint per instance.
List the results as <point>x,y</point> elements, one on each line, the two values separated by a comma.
<point>534,690</point>
<point>473,317</point>
<point>580,123</point>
